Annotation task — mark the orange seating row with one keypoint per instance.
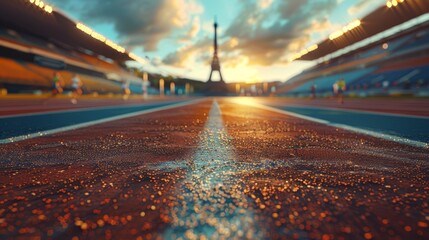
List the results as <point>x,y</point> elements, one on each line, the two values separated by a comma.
<point>14,72</point>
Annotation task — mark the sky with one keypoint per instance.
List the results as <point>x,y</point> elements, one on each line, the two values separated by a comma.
<point>256,37</point>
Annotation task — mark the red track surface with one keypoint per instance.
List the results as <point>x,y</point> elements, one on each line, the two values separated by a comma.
<point>96,175</point>
<point>412,106</point>
<point>11,106</point>
<point>417,107</point>
<point>123,179</point>
<point>329,175</point>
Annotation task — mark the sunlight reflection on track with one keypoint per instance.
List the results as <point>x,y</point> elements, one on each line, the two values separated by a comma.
<point>210,201</point>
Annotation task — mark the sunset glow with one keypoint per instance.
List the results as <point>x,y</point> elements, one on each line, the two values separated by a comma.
<point>259,40</point>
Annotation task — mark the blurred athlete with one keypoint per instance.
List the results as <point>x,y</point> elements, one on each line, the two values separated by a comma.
<point>76,87</point>
<point>341,90</point>
<point>57,84</point>
<point>125,86</point>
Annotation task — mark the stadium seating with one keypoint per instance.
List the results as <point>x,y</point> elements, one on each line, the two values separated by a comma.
<point>100,63</point>
<point>405,63</point>
<point>324,84</point>
<point>399,64</point>
<point>14,73</point>
<point>93,71</point>
<point>405,78</point>
<point>418,40</point>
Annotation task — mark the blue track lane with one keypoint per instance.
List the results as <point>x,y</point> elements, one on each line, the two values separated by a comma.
<point>413,128</point>
<point>38,122</point>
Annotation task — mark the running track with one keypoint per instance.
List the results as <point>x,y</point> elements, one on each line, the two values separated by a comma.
<point>212,169</point>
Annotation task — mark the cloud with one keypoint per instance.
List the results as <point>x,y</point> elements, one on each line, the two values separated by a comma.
<point>265,3</point>
<point>192,31</point>
<point>195,27</point>
<point>358,7</point>
<point>183,57</point>
<point>266,36</point>
<point>262,36</point>
<point>263,32</point>
<point>142,23</point>
<point>362,6</point>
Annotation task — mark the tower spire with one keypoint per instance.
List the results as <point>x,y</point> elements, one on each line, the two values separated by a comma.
<point>215,62</point>
<point>215,34</point>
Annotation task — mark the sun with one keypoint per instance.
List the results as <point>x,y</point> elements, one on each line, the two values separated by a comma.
<point>242,74</point>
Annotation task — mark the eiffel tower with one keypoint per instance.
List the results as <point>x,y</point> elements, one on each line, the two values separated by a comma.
<point>215,61</point>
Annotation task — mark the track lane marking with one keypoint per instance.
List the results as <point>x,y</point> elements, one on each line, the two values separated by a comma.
<point>211,202</point>
<point>94,122</point>
<point>84,109</point>
<point>342,126</point>
<point>349,110</point>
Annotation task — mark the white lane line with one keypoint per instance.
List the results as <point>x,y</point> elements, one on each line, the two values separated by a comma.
<point>355,111</point>
<point>85,109</point>
<point>343,126</point>
<point>91,123</point>
<point>211,202</point>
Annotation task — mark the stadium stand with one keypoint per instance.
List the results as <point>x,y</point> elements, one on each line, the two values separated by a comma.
<point>14,73</point>
<point>324,83</point>
<point>29,54</point>
<point>396,65</point>
<point>389,57</point>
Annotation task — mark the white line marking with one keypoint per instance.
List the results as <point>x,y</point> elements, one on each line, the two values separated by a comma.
<point>343,126</point>
<point>91,123</point>
<point>211,202</point>
<point>81,109</point>
<point>354,111</point>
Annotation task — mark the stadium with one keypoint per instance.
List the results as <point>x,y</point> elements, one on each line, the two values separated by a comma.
<point>372,58</point>
<point>277,120</point>
<point>36,42</point>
